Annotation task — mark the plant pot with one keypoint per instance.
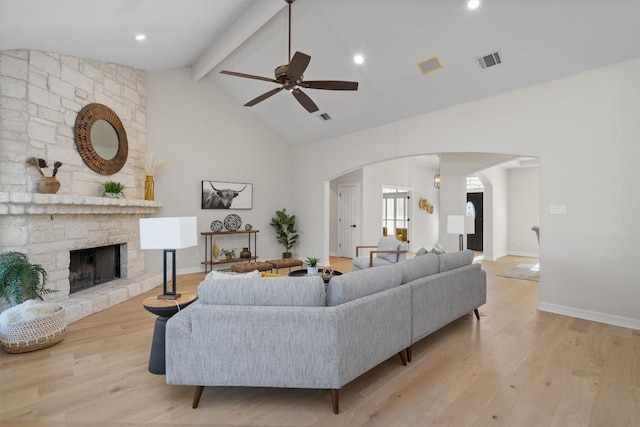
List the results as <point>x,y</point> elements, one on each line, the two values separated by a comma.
<point>286,254</point>
<point>312,271</point>
<point>49,185</point>
<point>112,195</point>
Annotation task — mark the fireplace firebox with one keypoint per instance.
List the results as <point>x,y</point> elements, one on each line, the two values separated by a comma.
<point>93,266</point>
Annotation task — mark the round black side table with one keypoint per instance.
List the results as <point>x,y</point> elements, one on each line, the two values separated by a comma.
<point>164,309</point>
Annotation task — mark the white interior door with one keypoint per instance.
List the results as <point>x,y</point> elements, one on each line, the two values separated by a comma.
<point>348,219</point>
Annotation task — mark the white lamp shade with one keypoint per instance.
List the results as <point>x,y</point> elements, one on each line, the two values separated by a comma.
<point>455,224</point>
<point>168,233</point>
<point>461,224</point>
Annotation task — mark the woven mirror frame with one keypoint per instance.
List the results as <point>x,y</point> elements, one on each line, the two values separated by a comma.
<point>84,121</point>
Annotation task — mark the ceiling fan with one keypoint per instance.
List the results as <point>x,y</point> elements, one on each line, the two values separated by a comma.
<point>290,77</point>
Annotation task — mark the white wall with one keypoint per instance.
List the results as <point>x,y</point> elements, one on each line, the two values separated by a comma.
<point>523,211</point>
<point>206,135</point>
<point>577,125</point>
<point>498,208</point>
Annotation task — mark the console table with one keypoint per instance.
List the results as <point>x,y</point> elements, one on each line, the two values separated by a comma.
<point>209,262</point>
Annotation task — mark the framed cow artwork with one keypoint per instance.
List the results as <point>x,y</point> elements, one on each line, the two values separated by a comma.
<point>226,195</point>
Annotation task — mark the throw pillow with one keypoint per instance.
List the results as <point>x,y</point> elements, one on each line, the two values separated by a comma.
<point>214,274</point>
<point>421,251</point>
<point>437,249</point>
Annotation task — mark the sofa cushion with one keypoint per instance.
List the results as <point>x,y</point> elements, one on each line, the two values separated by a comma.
<point>419,266</point>
<point>451,260</point>
<point>388,244</point>
<point>358,284</point>
<point>305,291</point>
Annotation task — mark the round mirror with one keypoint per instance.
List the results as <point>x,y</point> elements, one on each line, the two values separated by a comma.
<point>101,139</point>
<point>104,139</point>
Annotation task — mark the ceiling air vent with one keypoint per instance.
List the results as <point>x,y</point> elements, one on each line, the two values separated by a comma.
<point>325,116</point>
<point>429,65</point>
<point>491,60</point>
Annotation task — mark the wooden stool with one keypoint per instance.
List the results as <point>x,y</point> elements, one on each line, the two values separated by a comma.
<point>250,266</point>
<point>285,263</point>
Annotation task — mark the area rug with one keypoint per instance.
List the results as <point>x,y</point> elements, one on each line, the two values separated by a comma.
<point>528,271</point>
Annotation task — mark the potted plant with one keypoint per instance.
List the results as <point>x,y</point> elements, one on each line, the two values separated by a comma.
<point>21,280</point>
<point>286,234</point>
<point>113,189</point>
<point>229,254</point>
<point>312,265</point>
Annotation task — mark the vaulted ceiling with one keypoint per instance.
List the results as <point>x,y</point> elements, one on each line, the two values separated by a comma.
<point>537,40</point>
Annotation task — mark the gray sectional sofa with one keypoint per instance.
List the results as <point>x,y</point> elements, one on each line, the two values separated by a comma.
<point>298,332</point>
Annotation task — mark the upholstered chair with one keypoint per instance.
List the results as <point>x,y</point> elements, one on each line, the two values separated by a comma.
<point>388,251</point>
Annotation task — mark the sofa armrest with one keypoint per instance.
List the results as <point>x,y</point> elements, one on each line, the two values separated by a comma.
<point>364,247</point>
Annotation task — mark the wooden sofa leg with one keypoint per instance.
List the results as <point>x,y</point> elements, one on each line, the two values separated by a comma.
<point>197,395</point>
<point>409,354</point>
<point>334,400</point>
<point>403,358</point>
<point>477,314</point>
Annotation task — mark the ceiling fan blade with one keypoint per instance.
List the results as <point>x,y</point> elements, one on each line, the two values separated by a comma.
<point>249,76</point>
<point>304,100</point>
<point>330,85</point>
<point>298,64</point>
<point>262,97</point>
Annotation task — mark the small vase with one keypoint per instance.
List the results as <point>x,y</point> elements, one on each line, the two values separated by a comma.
<point>245,253</point>
<point>49,185</point>
<point>215,250</point>
<point>148,188</point>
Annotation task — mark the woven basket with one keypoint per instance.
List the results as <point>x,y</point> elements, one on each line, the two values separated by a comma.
<point>34,334</point>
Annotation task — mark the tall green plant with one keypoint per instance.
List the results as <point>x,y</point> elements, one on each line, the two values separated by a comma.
<point>284,225</point>
<point>20,280</point>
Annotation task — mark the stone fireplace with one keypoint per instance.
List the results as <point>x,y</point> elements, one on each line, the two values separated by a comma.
<point>42,93</point>
<point>48,227</point>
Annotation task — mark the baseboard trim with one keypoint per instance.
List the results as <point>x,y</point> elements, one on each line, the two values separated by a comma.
<point>609,319</point>
<point>527,254</point>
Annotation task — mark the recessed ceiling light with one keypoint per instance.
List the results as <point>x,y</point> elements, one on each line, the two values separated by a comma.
<point>358,59</point>
<point>473,4</point>
<point>139,37</point>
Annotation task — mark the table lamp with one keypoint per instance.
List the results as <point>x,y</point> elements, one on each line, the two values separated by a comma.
<point>168,234</point>
<point>460,224</point>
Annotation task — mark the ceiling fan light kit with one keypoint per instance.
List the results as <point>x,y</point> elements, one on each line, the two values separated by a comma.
<point>290,77</point>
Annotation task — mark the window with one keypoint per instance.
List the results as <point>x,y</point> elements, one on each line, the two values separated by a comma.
<point>395,211</point>
<point>474,183</point>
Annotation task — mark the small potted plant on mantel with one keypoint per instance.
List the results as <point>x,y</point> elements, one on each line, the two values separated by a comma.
<point>312,265</point>
<point>113,189</point>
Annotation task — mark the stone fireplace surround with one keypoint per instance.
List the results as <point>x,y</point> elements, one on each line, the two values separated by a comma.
<point>41,95</point>
<point>54,225</point>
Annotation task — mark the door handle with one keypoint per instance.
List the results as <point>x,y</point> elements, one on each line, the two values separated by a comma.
<point>353,226</point>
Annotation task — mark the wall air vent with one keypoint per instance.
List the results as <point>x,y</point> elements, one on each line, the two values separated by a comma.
<point>325,116</point>
<point>489,61</point>
<point>429,65</point>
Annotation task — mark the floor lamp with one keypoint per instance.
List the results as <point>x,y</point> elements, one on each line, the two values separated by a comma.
<point>460,225</point>
<point>168,234</point>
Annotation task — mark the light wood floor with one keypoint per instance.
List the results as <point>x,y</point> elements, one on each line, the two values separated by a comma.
<point>517,366</point>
